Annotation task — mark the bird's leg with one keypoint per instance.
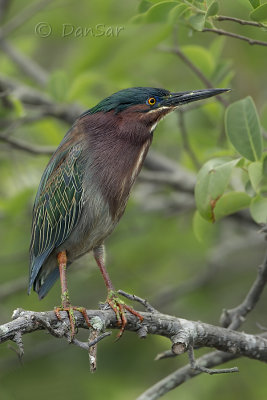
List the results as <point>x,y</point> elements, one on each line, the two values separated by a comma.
<point>117,305</point>
<point>65,301</point>
<point>62,265</point>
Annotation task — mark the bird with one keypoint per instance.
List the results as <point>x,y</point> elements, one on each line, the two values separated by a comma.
<point>86,184</point>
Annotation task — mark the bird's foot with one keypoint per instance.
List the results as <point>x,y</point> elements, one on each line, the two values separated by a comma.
<point>70,311</point>
<point>119,307</point>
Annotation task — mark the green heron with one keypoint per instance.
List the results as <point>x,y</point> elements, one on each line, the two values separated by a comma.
<point>86,184</point>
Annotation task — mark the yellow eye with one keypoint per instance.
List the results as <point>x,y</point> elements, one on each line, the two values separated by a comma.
<point>151,101</point>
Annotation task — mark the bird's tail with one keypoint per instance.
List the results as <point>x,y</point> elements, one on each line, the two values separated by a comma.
<point>42,275</point>
<point>42,285</point>
<point>36,264</point>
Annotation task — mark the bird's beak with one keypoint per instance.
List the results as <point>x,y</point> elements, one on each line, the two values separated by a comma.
<point>180,98</point>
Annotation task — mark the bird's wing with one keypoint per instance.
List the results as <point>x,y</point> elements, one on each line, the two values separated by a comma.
<point>57,207</point>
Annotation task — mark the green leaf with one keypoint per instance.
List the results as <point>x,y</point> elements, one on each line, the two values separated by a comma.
<point>255,174</point>
<point>212,181</point>
<point>230,203</point>
<point>255,3</point>
<point>197,21</point>
<point>258,209</point>
<point>243,128</point>
<point>202,228</point>
<point>159,12</point>
<point>82,84</point>
<point>58,85</point>
<point>260,13</point>
<point>144,5</point>
<point>18,107</point>
<point>177,11</point>
<point>221,71</point>
<point>201,57</point>
<point>216,47</point>
<point>213,9</point>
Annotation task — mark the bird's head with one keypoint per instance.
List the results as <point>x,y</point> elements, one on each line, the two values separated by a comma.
<point>149,105</point>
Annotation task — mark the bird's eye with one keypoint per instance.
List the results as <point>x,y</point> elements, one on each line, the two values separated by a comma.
<point>151,101</point>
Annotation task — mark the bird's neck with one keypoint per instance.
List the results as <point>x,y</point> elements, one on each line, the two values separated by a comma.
<point>116,153</point>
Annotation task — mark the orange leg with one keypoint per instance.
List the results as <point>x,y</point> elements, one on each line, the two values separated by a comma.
<point>117,305</point>
<point>65,302</point>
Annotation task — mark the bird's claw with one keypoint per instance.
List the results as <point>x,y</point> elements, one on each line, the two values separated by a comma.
<point>119,307</point>
<point>70,312</point>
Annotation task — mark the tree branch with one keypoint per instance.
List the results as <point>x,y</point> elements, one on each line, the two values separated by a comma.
<point>180,376</point>
<point>186,144</point>
<point>239,21</point>
<point>177,51</point>
<point>181,332</point>
<point>194,365</point>
<point>235,35</point>
<point>233,319</point>
<point>217,259</point>
<point>26,13</point>
<point>28,66</point>
<point>28,147</point>
<point>33,97</point>
<point>236,316</point>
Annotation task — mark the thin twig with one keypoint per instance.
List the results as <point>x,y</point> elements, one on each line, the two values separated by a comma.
<point>83,345</point>
<point>28,66</point>
<point>175,180</point>
<point>223,251</point>
<point>87,345</point>
<point>261,327</point>
<point>186,143</point>
<point>165,354</point>
<point>18,340</point>
<point>234,317</point>
<point>194,365</point>
<point>177,51</point>
<point>12,124</point>
<point>239,21</point>
<point>28,147</point>
<point>26,13</point>
<point>31,97</point>
<point>193,67</point>
<point>94,338</point>
<point>46,324</point>
<point>183,374</point>
<point>235,35</point>
<point>138,299</point>
<point>212,359</point>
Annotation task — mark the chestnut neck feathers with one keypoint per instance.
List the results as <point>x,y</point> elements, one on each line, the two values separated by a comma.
<point>116,147</point>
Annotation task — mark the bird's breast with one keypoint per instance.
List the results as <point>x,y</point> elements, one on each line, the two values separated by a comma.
<point>116,169</point>
<point>139,162</point>
<point>129,171</point>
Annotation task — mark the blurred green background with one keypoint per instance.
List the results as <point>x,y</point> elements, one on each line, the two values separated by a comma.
<point>153,250</point>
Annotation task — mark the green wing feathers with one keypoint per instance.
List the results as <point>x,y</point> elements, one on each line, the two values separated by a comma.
<point>57,206</point>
